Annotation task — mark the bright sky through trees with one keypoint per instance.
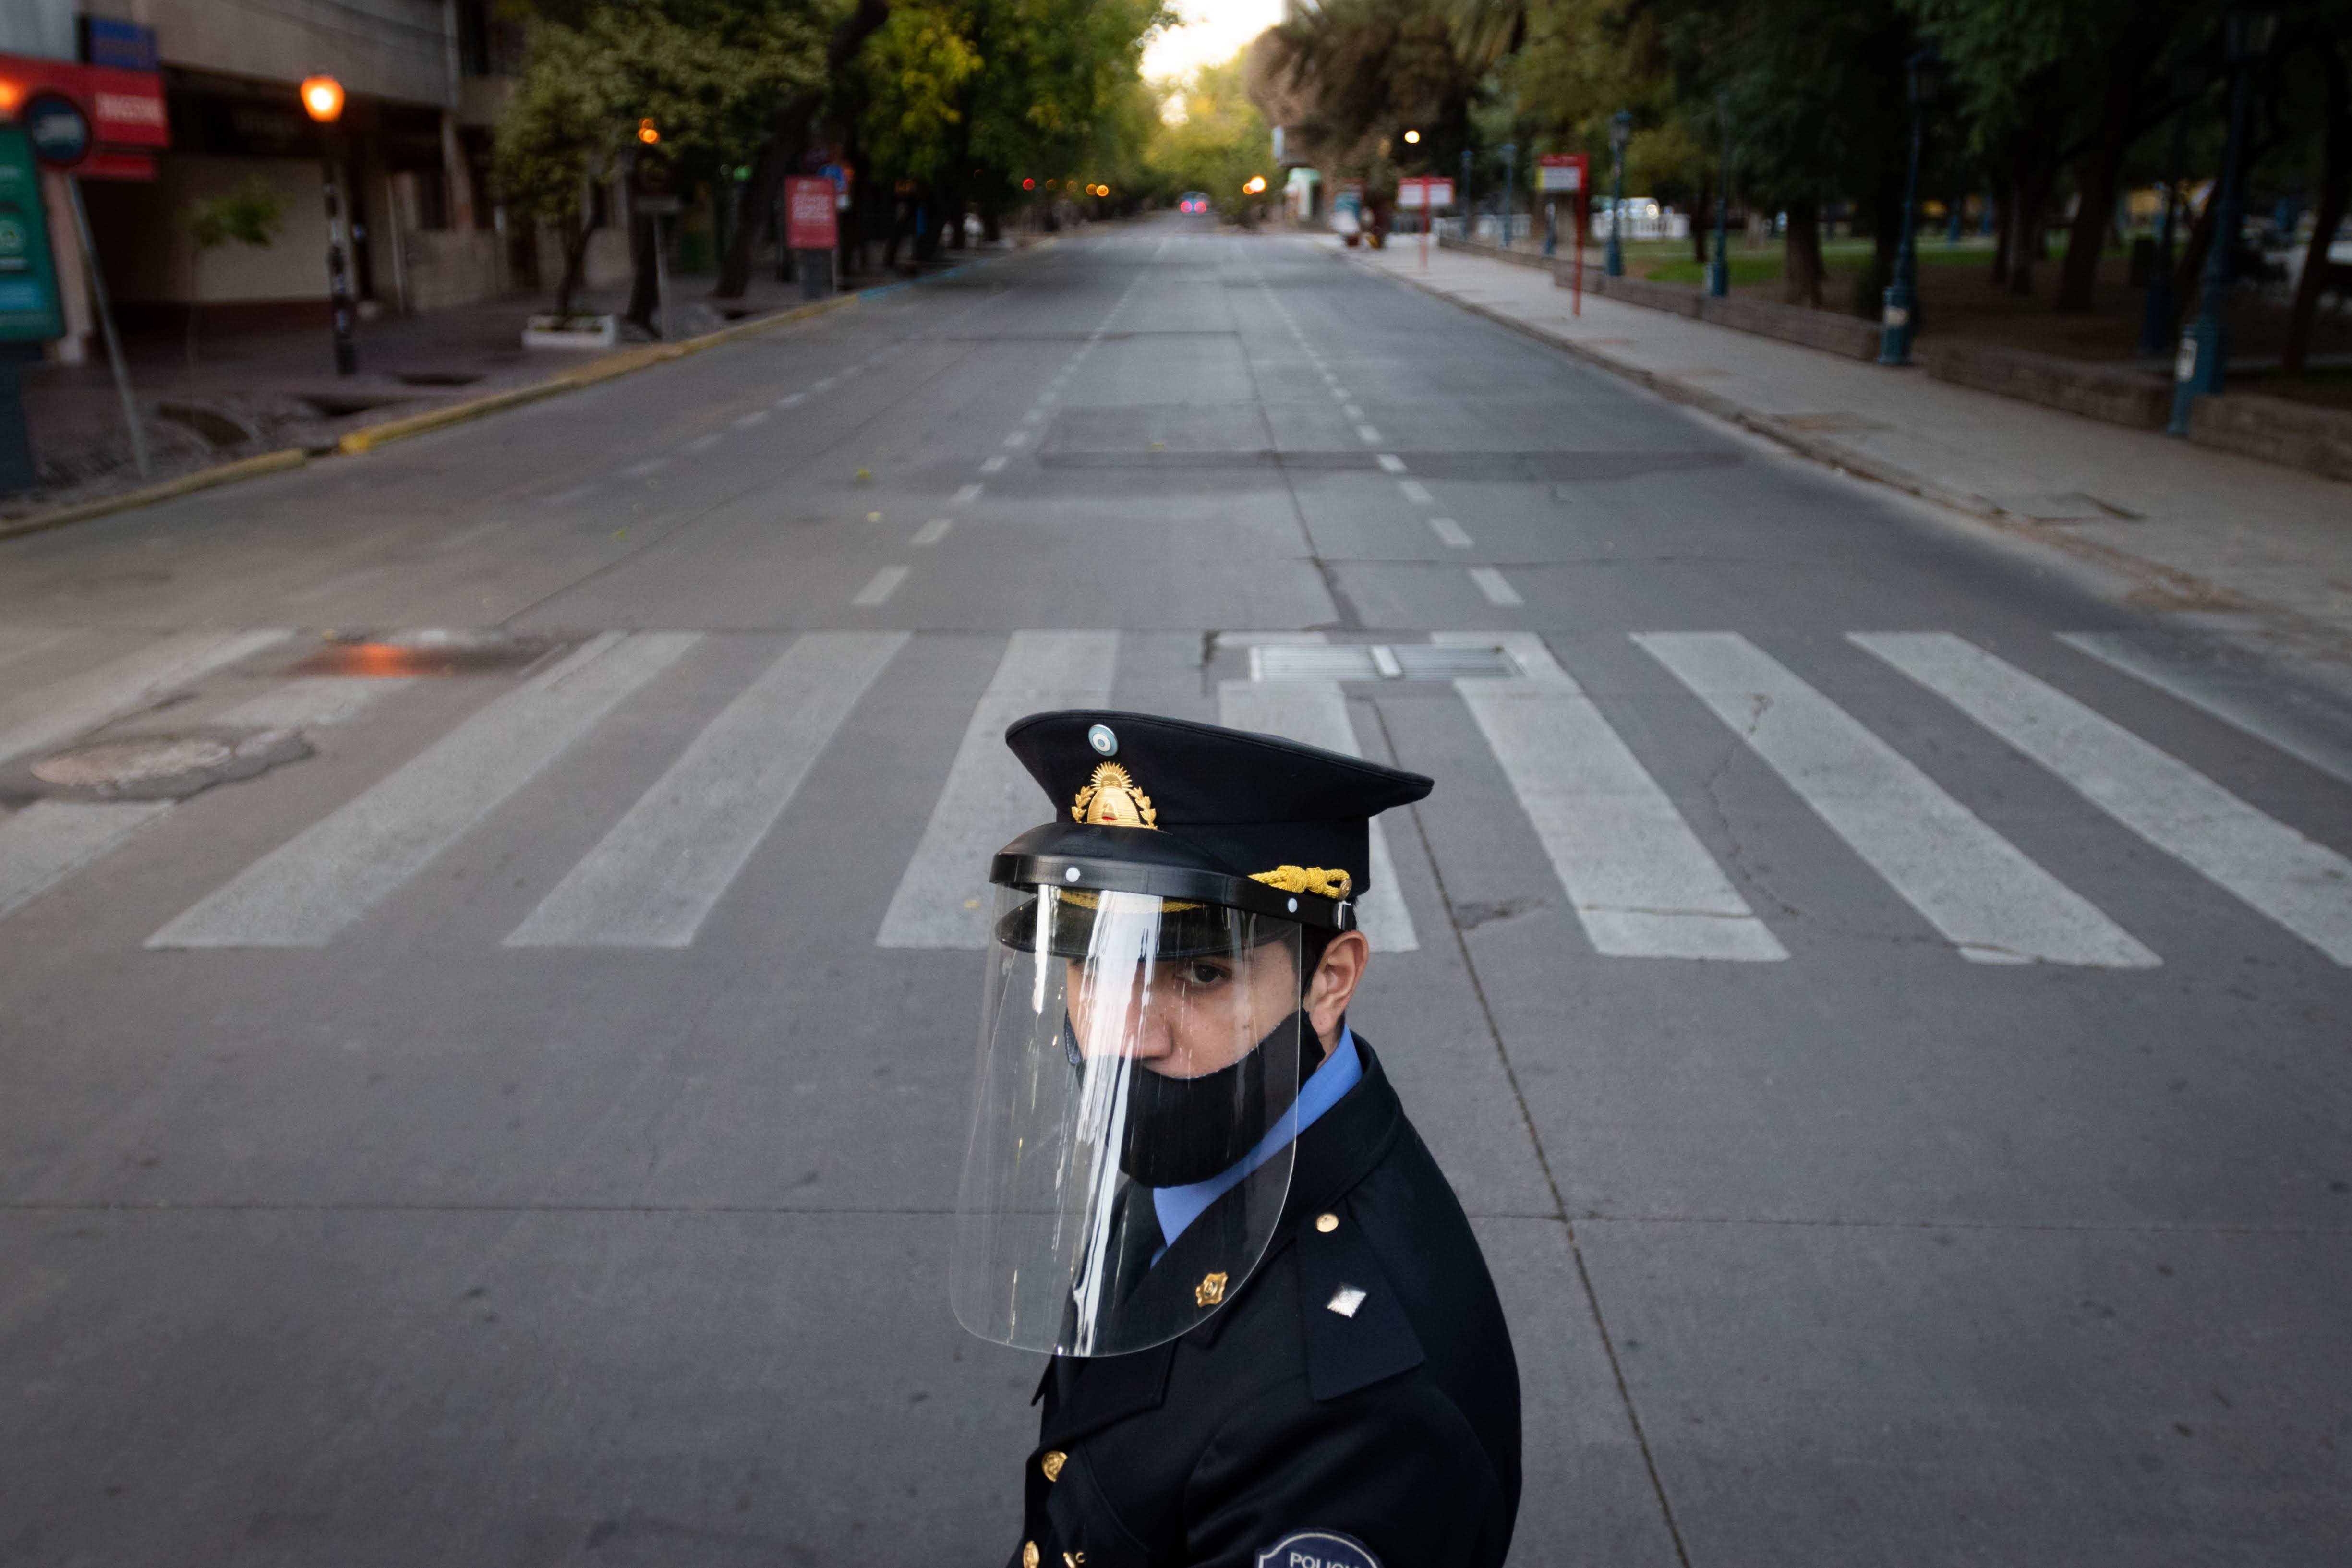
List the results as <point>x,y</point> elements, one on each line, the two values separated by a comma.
<point>1212,31</point>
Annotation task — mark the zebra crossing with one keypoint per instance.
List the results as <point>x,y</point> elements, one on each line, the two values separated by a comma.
<point>1641,882</point>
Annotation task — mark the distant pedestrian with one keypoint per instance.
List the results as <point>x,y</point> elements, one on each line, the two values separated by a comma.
<point>1275,1340</point>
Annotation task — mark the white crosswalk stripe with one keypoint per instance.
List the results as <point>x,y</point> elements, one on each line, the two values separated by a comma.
<point>1641,884</point>
<point>50,840</point>
<point>313,702</point>
<point>2304,885</point>
<point>2223,692</point>
<point>24,642</point>
<point>1316,713</point>
<point>658,872</point>
<point>989,798</point>
<point>59,711</point>
<point>1982,891</point>
<point>303,892</point>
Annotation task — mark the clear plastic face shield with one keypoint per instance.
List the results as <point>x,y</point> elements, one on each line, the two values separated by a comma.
<point>1131,1136</point>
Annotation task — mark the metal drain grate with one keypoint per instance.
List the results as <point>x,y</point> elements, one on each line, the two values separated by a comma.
<point>1379,661</point>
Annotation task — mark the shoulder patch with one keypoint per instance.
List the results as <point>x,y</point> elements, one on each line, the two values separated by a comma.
<point>1317,1549</point>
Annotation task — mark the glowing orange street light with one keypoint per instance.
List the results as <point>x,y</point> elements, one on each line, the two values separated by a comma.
<point>1412,138</point>
<point>323,98</point>
<point>12,93</point>
<point>1256,184</point>
<point>648,132</point>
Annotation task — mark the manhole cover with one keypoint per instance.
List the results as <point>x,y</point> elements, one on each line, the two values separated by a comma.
<point>137,760</point>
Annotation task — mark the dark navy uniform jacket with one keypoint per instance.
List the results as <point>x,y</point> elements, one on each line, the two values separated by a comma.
<point>1387,1436</point>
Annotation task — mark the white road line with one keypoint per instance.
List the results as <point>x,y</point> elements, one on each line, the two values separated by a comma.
<point>577,493</point>
<point>1977,888</point>
<point>1368,435</point>
<point>791,399</point>
<point>754,418</point>
<point>665,864</point>
<point>1641,884</point>
<point>64,709</point>
<point>2306,887</point>
<point>1495,587</point>
<point>1449,532</point>
<point>1033,416</point>
<point>824,385</point>
<point>942,900</point>
<point>1017,438</point>
<point>1316,712</point>
<point>2222,693</point>
<point>967,495</point>
<point>1391,463</point>
<point>704,443</point>
<point>50,840</point>
<point>1352,411</point>
<point>930,532</point>
<point>313,702</point>
<point>993,465</point>
<point>880,586</point>
<point>326,876</point>
<point>1415,492</point>
<point>650,466</point>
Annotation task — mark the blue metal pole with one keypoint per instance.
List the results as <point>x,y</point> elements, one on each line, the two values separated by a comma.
<point>1619,130</point>
<point>2197,369</point>
<point>1903,294</point>
<point>1718,270</point>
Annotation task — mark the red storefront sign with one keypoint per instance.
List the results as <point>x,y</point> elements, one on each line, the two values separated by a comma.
<point>809,221</point>
<point>125,108</point>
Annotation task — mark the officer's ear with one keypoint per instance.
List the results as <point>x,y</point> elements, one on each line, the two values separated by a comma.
<point>1333,984</point>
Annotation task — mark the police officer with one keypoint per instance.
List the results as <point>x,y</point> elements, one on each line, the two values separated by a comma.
<point>1274,1342</point>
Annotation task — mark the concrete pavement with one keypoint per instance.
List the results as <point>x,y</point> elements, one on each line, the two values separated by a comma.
<point>1876,989</point>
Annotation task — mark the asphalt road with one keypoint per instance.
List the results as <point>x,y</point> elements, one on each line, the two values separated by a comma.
<point>1883,1000</point>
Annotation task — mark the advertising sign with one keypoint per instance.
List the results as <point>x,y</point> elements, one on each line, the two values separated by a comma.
<point>1426,192</point>
<point>28,281</point>
<point>809,222</point>
<point>122,110</point>
<point>1560,172</point>
<point>60,129</point>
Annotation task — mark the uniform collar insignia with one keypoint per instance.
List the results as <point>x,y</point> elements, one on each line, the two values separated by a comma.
<point>1111,799</point>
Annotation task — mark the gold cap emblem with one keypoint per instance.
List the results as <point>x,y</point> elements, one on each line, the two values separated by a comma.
<point>1112,800</point>
<point>1209,1291</point>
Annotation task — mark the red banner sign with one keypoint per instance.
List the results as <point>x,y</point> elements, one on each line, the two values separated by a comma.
<point>809,221</point>
<point>125,108</point>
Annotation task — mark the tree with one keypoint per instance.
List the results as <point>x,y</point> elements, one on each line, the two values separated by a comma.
<point>1212,138</point>
<point>705,73</point>
<point>249,214</point>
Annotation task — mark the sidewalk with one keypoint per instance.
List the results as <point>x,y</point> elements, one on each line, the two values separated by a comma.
<point>2202,530</point>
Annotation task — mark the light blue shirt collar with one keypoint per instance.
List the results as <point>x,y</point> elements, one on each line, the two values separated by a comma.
<point>1340,1072</point>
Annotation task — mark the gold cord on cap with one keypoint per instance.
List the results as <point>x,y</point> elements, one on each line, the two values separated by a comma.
<point>1312,879</point>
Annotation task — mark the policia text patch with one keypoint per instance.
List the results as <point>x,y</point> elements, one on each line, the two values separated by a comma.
<point>1317,1549</point>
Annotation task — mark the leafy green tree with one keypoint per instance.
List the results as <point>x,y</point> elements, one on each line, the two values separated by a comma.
<point>1214,140</point>
<point>251,212</point>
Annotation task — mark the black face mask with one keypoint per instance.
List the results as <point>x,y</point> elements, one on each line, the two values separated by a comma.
<point>1185,1130</point>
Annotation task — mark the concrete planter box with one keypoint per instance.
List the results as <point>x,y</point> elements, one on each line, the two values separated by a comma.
<point>572,333</point>
<point>1675,299</point>
<point>2095,391</point>
<point>2276,430</point>
<point>1849,336</point>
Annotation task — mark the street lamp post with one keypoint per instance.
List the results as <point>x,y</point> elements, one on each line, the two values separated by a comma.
<point>2197,370</point>
<point>1621,131</point>
<point>1901,299</point>
<point>2155,317</point>
<point>322,100</point>
<point>1718,270</point>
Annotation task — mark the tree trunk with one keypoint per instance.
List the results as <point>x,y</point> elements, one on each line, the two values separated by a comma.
<point>2102,166</point>
<point>788,140</point>
<point>2320,274</point>
<point>577,233</point>
<point>2028,241</point>
<point>1699,222</point>
<point>2004,225</point>
<point>2189,282</point>
<point>645,286</point>
<point>1801,269</point>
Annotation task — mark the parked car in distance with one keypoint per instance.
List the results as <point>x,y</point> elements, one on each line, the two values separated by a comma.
<point>1193,202</point>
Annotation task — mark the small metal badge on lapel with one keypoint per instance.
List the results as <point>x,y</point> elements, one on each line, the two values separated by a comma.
<point>1113,799</point>
<point>1209,1291</point>
<point>1051,1465</point>
<point>1345,1300</point>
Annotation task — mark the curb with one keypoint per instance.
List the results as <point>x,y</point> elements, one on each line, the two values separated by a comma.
<point>1834,455</point>
<point>201,479</point>
<point>605,369</point>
